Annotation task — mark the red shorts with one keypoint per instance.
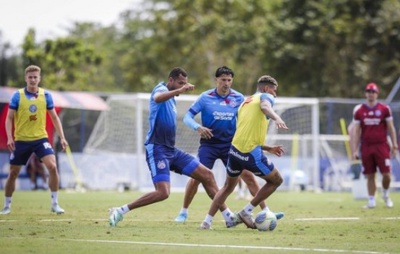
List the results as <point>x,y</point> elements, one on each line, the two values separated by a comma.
<point>375,156</point>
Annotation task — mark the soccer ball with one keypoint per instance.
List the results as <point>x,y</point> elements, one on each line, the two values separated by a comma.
<point>266,221</point>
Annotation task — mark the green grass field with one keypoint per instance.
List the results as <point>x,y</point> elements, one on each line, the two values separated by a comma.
<point>314,223</point>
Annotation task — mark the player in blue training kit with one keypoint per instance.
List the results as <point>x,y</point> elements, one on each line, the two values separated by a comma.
<point>247,148</point>
<point>218,108</point>
<point>161,154</point>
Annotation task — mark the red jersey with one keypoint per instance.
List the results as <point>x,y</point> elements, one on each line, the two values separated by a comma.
<point>373,123</point>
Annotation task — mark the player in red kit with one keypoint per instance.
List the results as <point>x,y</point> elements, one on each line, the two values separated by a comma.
<point>373,121</point>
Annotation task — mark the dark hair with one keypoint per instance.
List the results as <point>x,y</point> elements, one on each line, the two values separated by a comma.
<point>176,72</point>
<point>267,80</point>
<point>224,70</point>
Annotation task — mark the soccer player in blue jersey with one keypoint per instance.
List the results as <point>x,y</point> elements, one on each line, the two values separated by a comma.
<point>161,154</point>
<point>218,108</point>
<point>27,111</point>
<point>247,149</point>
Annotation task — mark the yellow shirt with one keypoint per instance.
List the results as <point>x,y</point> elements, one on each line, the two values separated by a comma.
<point>252,124</point>
<point>30,117</point>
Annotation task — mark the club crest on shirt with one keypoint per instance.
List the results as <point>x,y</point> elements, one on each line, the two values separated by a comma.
<point>161,164</point>
<point>32,108</point>
<point>378,112</point>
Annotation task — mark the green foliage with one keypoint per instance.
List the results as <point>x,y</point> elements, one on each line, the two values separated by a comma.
<point>313,223</point>
<point>315,48</point>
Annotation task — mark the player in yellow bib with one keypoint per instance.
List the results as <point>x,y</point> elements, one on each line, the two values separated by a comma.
<point>247,149</point>
<point>27,111</point>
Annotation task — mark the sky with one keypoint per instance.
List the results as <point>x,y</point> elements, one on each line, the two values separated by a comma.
<point>50,18</point>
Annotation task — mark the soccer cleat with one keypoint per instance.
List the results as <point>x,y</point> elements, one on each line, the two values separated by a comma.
<point>370,205</point>
<point>115,217</point>
<point>279,215</point>
<point>235,220</point>
<point>388,202</point>
<point>181,218</point>
<point>6,210</point>
<point>247,219</point>
<point>204,225</point>
<point>57,209</point>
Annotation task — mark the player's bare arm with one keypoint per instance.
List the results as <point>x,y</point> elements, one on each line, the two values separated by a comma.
<point>277,150</point>
<point>205,132</point>
<point>9,129</point>
<point>267,109</point>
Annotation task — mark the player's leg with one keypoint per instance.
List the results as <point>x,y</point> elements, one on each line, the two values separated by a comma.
<point>190,191</point>
<point>219,201</point>
<point>384,165</point>
<point>207,155</point>
<point>10,188</point>
<point>54,180</point>
<point>251,182</point>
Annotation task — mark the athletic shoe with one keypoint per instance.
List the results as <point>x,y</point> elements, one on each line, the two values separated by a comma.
<point>370,205</point>
<point>6,210</point>
<point>235,220</point>
<point>57,209</point>
<point>115,217</point>
<point>279,215</point>
<point>181,218</point>
<point>204,225</point>
<point>388,202</point>
<point>247,219</point>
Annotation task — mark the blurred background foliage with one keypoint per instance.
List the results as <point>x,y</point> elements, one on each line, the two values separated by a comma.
<point>314,48</point>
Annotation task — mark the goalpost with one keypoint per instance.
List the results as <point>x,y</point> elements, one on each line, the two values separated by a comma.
<point>118,137</point>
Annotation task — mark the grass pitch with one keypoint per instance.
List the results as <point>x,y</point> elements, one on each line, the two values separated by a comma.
<point>314,223</point>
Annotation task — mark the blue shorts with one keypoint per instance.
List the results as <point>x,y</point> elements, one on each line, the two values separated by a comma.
<point>209,153</point>
<point>161,160</point>
<point>255,161</point>
<point>24,149</point>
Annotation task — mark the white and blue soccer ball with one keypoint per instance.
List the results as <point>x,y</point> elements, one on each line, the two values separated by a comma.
<point>266,220</point>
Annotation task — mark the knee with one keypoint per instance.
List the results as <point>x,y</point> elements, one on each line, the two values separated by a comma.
<point>163,195</point>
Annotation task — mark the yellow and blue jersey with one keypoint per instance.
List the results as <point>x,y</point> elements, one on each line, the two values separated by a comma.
<point>252,124</point>
<point>30,116</point>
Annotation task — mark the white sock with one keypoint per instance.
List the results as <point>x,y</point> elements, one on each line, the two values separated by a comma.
<point>227,214</point>
<point>385,193</point>
<point>123,209</point>
<point>7,202</point>
<point>54,197</point>
<point>249,208</point>
<point>266,208</point>
<point>208,219</point>
<point>184,210</point>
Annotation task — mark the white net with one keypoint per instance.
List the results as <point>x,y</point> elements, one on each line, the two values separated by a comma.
<point>120,132</point>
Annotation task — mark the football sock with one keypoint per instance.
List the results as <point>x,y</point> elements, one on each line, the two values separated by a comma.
<point>385,193</point>
<point>249,208</point>
<point>227,214</point>
<point>184,210</point>
<point>208,219</point>
<point>7,202</point>
<point>123,209</point>
<point>54,197</point>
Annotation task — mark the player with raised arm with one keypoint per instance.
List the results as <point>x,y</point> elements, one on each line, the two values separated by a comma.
<point>247,149</point>
<point>161,154</point>
<point>218,108</point>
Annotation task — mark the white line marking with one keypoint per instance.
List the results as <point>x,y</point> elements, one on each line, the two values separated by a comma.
<point>322,219</point>
<point>56,220</point>
<point>225,246</point>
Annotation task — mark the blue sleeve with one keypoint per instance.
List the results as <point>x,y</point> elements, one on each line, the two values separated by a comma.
<point>188,119</point>
<point>269,97</point>
<point>14,101</point>
<point>49,100</point>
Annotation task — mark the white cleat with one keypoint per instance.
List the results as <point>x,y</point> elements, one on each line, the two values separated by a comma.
<point>57,209</point>
<point>6,210</point>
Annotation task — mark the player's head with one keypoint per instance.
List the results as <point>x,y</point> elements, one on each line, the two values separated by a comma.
<point>32,76</point>
<point>224,80</point>
<point>223,70</point>
<point>177,72</point>
<point>267,84</point>
<point>177,78</point>
<point>32,68</point>
<point>371,88</point>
